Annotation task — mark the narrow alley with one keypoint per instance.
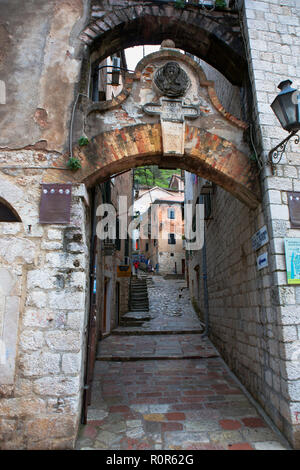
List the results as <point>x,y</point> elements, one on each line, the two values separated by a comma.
<point>159,385</point>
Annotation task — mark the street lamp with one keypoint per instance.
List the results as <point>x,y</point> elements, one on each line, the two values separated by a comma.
<point>286,107</point>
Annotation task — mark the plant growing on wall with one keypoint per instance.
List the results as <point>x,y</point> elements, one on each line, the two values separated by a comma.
<point>220,3</point>
<point>83,141</point>
<point>179,3</point>
<point>74,164</point>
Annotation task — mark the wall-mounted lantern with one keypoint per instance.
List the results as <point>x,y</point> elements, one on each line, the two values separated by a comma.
<point>286,107</point>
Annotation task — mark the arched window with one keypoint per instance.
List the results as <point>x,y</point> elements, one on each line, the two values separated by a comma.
<point>7,213</point>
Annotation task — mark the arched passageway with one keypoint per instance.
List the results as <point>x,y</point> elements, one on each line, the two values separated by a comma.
<point>206,155</point>
<point>213,36</point>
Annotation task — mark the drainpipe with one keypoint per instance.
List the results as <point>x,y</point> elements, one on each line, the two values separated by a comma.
<point>204,276</point>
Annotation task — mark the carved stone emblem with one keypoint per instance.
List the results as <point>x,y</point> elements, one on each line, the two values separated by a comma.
<point>171,80</point>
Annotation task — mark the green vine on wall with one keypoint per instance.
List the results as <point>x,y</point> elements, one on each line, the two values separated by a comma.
<point>83,141</point>
<point>179,3</point>
<point>220,3</point>
<point>74,164</point>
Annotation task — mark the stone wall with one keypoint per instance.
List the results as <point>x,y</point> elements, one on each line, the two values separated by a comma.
<point>242,320</point>
<point>44,282</point>
<point>254,314</point>
<point>271,31</point>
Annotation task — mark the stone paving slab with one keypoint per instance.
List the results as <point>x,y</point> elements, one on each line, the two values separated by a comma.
<point>155,347</point>
<point>141,399</point>
<point>168,405</point>
<point>170,309</point>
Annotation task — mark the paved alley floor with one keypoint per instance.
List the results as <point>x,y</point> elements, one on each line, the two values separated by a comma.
<point>161,391</point>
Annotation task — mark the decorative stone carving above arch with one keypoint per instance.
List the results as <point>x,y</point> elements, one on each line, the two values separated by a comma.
<point>193,132</point>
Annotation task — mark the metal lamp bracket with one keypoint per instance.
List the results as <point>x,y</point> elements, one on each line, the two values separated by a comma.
<point>276,154</point>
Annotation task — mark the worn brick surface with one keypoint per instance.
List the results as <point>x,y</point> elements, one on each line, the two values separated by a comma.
<point>167,404</point>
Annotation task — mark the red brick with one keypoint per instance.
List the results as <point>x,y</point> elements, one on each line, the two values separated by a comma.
<point>192,399</point>
<point>119,409</point>
<point>149,395</point>
<point>254,422</point>
<point>240,446</point>
<point>95,422</point>
<point>143,141</point>
<point>199,392</point>
<point>172,426</point>
<point>230,424</point>
<point>90,431</point>
<point>175,416</point>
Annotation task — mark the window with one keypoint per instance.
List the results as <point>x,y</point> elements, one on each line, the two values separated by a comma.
<point>171,213</point>
<point>7,214</point>
<point>147,247</point>
<point>171,254</point>
<point>171,239</point>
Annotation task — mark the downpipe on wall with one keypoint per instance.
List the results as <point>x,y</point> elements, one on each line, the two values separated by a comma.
<point>204,277</point>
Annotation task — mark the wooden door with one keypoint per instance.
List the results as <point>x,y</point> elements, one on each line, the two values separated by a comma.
<point>183,266</point>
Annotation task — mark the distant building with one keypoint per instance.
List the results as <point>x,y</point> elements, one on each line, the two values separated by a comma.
<point>161,230</point>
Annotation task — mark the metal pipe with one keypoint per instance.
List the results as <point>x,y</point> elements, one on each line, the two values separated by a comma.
<point>204,277</point>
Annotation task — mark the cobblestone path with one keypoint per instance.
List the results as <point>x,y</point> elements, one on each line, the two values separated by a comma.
<point>155,390</point>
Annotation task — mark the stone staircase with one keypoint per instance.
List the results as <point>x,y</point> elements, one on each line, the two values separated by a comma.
<point>138,303</point>
<point>138,298</point>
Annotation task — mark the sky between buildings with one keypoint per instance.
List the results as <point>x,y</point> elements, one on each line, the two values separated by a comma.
<point>136,53</point>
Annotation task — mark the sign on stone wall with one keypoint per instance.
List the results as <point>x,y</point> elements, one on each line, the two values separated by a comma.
<point>294,208</point>
<point>292,259</point>
<point>260,238</point>
<point>262,261</point>
<point>123,271</point>
<point>55,206</point>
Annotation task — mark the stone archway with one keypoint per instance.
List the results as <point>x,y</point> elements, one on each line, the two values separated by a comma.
<point>214,36</point>
<point>129,131</point>
<point>206,154</point>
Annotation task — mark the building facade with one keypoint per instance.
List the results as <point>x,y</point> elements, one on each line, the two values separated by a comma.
<point>162,243</point>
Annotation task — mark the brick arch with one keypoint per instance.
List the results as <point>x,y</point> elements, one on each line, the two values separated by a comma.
<point>206,155</point>
<point>212,36</point>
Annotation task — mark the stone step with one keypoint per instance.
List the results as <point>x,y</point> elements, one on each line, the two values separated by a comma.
<point>140,297</point>
<point>131,323</point>
<point>139,307</point>
<point>121,332</point>
<point>174,357</point>
<point>140,316</point>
